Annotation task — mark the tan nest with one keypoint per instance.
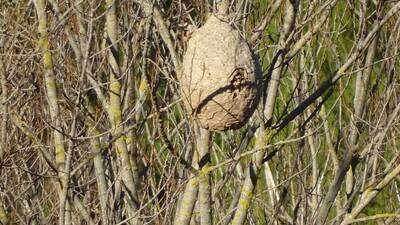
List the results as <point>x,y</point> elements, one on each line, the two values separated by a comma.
<point>221,77</point>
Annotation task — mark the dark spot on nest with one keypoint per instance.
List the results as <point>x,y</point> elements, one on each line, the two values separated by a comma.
<point>238,80</point>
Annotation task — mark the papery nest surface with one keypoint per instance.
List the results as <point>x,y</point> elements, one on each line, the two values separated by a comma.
<point>220,80</point>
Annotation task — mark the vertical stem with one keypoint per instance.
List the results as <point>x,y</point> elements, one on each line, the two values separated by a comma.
<point>203,147</point>
<point>4,108</point>
<point>288,24</point>
<point>98,165</point>
<point>141,93</point>
<point>328,138</point>
<point>51,89</point>
<point>273,84</point>
<point>80,207</point>
<point>361,85</point>
<point>3,112</point>
<point>187,204</point>
<point>245,197</point>
<point>198,186</point>
<point>334,188</point>
<point>67,29</point>
<point>152,10</point>
<point>263,134</point>
<point>311,144</point>
<point>143,87</point>
<point>115,109</point>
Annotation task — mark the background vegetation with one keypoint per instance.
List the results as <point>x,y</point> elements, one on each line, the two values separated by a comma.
<point>93,131</point>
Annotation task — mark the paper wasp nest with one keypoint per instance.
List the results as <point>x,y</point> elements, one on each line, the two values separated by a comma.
<point>220,78</point>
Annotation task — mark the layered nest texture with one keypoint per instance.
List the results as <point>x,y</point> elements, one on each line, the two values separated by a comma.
<point>220,81</point>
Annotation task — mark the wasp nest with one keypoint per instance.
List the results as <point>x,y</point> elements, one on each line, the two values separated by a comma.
<point>220,77</point>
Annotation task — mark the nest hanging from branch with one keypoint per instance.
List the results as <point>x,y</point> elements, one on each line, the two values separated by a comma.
<point>220,81</point>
